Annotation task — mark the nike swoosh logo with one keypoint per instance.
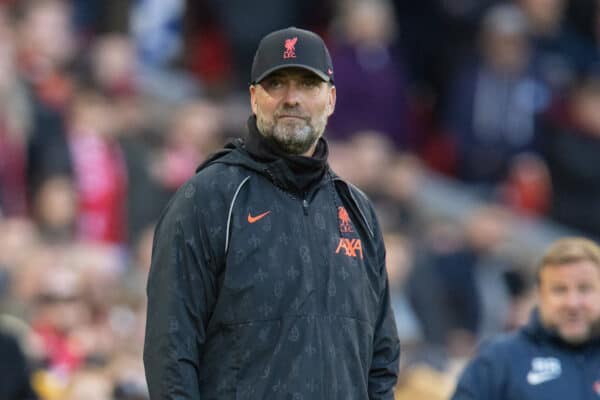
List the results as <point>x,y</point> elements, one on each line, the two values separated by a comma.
<point>252,219</point>
<point>535,378</point>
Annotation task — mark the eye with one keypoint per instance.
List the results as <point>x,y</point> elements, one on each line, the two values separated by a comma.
<point>272,83</point>
<point>558,289</point>
<point>585,288</point>
<point>310,82</point>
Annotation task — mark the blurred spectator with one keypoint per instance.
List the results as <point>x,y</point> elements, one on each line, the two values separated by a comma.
<point>14,126</point>
<point>46,46</point>
<point>390,179</point>
<point>493,104</point>
<point>559,53</point>
<point>115,71</point>
<point>157,28</point>
<point>14,371</point>
<point>19,237</point>
<point>54,209</point>
<point>369,70</point>
<point>368,155</point>
<point>244,23</point>
<point>463,270</point>
<point>99,169</point>
<point>196,131</point>
<point>96,17</point>
<point>426,287</point>
<point>114,65</point>
<point>89,384</point>
<point>59,311</point>
<point>398,203</point>
<point>571,148</point>
<point>526,188</point>
<point>399,263</point>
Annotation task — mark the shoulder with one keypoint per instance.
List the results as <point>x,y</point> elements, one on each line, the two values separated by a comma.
<point>206,195</point>
<point>493,358</point>
<point>354,197</point>
<point>504,347</point>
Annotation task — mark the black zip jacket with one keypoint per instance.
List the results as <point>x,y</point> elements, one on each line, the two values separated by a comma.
<point>259,293</point>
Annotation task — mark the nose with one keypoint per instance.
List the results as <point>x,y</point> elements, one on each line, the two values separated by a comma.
<point>574,299</point>
<point>292,95</point>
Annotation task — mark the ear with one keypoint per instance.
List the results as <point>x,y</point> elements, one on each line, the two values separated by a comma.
<point>331,100</point>
<point>253,98</point>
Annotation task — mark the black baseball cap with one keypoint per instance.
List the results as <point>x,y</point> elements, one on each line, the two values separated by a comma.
<point>291,47</point>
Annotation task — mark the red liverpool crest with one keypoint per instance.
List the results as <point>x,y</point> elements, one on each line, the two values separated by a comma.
<point>290,48</point>
<point>344,219</point>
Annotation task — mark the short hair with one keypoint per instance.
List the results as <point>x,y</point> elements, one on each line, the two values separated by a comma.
<point>569,250</point>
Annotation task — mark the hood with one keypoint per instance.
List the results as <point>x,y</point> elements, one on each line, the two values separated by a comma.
<point>295,174</point>
<point>233,153</point>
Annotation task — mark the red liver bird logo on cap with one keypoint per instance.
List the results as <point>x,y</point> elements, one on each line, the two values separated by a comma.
<point>290,48</point>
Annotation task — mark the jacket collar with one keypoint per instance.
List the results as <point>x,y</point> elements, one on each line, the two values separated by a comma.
<point>298,174</point>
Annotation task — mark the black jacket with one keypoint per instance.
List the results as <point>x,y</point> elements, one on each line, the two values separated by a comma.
<point>530,364</point>
<point>257,293</point>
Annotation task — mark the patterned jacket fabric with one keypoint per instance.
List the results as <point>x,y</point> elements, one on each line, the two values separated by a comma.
<point>532,364</point>
<point>259,293</point>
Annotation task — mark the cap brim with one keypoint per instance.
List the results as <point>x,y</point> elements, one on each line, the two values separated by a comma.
<point>320,74</point>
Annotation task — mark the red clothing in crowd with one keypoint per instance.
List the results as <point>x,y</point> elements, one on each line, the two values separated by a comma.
<point>12,175</point>
<point>101,179</point>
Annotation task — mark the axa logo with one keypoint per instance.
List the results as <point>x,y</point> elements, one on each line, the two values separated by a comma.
<point>543,369</point>
<point>351,247</point>
<point>344,219</point>
<point>290,48</point>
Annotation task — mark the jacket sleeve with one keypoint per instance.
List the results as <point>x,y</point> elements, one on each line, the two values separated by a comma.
<point>483,378</point>
<point>181,294</point>
<point>383,373</point>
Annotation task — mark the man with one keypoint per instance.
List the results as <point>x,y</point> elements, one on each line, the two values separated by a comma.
<point>268,271</point>
<point>557,355</point>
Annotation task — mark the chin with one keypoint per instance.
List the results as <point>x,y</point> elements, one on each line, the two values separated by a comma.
<point>575,336</point>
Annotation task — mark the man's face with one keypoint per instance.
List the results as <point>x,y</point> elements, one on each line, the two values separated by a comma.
<point>569,300</point>
<point>292,106</point>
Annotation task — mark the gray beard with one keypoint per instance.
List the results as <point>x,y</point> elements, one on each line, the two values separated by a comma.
<point>293,138</point>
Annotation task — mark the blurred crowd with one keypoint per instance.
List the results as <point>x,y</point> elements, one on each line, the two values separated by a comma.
<point>466,122</point>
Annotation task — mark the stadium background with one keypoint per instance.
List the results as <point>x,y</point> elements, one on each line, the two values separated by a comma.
<point>472,124</point>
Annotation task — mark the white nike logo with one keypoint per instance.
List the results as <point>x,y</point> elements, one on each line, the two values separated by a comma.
<point>537,377</point>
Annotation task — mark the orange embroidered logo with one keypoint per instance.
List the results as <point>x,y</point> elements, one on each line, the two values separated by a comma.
<point>290,48</point>
<point>344,218</point>
<point>350,247</point>
<point>252,219</point>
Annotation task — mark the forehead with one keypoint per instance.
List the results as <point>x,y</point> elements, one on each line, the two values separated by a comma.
<point>292,73</point>
<point>573,272</point>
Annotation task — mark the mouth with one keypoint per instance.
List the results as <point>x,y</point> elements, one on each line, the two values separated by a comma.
<point>290,117</point>
<point>282,116</point>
